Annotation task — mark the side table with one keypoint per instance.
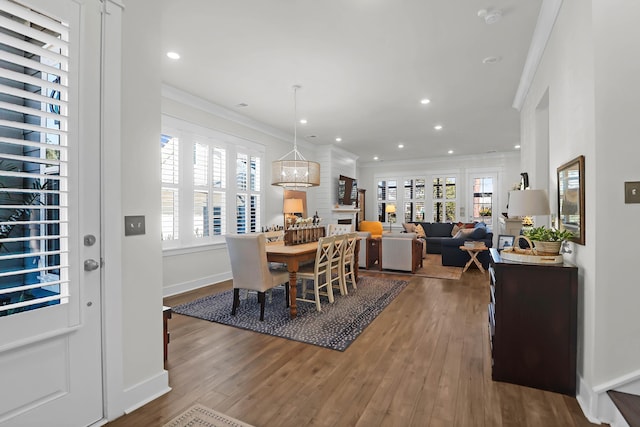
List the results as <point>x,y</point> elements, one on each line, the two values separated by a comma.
<point>473,252</point>
<point>374,245</point>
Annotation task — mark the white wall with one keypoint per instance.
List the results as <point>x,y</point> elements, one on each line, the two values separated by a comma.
<point>141,258</point>
<point>592,85</point>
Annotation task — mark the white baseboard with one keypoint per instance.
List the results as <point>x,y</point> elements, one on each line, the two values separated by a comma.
<point>191,285</point>
<point>596,404</point>
<point>145,391</point>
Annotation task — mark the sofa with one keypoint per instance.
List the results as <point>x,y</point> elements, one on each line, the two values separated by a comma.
<point>453,256</point>
<point>434,232</point>
<point>401,251</point>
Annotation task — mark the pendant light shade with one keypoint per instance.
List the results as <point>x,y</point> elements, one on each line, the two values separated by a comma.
<point>293,170</point>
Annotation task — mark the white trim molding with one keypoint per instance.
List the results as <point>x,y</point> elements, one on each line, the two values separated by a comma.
<point>546,20</point>
<point>595,402</point>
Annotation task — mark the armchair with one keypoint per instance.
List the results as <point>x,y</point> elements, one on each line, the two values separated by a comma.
<point>401,251</point>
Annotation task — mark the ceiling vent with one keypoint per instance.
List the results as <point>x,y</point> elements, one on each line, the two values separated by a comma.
<point>490,16</point>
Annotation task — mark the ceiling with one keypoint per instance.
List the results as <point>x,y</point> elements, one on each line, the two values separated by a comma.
<point>363,67</point>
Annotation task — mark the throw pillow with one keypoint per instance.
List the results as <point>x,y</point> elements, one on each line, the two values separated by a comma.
<point>480,225</point>
<point>409,227</point>
<point>463,233</point>
<point>455,230</point>
<point>478,233</point>
<point>420,231</point>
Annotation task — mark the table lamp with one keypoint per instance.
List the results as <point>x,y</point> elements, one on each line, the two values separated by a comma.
<point>290,208</point>
<point>528,203</point>
<point>391,214</point>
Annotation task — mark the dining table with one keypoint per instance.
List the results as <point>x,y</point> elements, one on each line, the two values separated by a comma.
<point>293,256</point>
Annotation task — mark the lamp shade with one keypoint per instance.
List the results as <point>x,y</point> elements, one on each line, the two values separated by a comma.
<point>528,203</point>
<point>390,209</point>
<point>295,173</point>
<point>292,206</point>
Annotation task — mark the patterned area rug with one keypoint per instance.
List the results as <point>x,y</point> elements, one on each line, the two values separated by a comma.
<point>431,267</point>
<point>199,415</point>
<point>335,327</point>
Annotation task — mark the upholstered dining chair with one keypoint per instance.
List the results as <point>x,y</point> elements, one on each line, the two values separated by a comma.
<point>319,273</point>
<point>347,264</point>
<point>250,268</point>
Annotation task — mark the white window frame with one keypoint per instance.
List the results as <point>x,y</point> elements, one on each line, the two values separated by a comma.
<point>188,134</point>
<point>429,211</point>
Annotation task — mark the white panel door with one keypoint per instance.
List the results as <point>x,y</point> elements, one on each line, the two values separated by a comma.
<point>50,273</point>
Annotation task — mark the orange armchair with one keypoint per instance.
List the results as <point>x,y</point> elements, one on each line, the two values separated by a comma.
<point>373,227</point>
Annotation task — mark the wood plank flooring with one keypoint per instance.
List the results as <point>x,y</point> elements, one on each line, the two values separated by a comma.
<point>425,361</point>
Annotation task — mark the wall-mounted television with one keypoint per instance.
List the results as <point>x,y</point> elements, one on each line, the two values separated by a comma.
<point>347,190</point>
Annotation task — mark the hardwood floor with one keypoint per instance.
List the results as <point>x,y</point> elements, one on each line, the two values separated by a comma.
<point>425,361</point>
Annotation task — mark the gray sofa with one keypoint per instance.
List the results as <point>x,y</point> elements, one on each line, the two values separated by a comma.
<point>436,232</point>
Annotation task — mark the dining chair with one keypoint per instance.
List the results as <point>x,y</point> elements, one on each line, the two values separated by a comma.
<point>250,269</point>
<point>347,265</point>
<point>319,273</point>
<point>337,271</point>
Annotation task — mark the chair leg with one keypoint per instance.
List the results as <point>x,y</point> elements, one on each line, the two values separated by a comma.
<point>261,299</point>
<point>236,301</point>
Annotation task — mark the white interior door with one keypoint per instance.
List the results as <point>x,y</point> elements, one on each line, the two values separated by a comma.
<point>50,275</point>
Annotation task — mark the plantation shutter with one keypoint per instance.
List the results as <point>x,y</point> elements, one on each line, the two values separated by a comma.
<point>34,202</point>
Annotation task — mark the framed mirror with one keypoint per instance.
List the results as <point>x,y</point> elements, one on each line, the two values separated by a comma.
<point>571,198</point>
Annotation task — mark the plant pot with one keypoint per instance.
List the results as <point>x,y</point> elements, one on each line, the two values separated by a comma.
<point>547,247</point>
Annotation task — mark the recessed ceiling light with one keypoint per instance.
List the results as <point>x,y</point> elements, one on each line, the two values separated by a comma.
<point>491,60</point>
<point>450,152</point>
<point>425,101</point>
<point>173,55</point>
<point>375,157</point>
<point>517,147</point>
<point>438,127</point>
<point>400,145</point>
<point>303,121</point>
<point>338,139</point>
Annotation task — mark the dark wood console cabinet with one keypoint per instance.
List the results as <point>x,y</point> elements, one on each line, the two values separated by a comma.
<point>533,324</point>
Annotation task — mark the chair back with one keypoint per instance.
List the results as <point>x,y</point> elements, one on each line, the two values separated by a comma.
<point>334,229</point>
<point>350,248</point>
<point>324,256</point>
<point>249,265</point>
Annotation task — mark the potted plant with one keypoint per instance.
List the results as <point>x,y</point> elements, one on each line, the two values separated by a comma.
<point>547,240</point>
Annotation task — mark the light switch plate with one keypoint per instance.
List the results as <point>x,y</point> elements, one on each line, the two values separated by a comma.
<point>632,192</point>
<point>134,225</point>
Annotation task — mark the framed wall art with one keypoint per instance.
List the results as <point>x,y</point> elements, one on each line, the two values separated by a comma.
<point>571,198</point>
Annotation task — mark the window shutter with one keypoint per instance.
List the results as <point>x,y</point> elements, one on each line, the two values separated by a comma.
<point>34,241</point>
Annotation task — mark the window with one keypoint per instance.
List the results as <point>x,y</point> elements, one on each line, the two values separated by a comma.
<point>414,196</point>
<point>170,186</point>
<point>444,199</point>
<point>34,166</point>
<point>196,169</point>
<point>483,199</point>
<point>248,193</point>
<point>387,193</point>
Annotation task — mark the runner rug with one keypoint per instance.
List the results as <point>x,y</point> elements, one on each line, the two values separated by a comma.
<point>335,327</point>
<point>199,415</point>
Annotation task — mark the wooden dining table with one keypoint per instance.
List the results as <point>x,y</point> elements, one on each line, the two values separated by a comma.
<point>293,256</point>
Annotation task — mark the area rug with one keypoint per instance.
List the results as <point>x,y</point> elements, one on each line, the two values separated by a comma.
<point>431,267</point>
<point>199,415</point>
<point>335,327</point>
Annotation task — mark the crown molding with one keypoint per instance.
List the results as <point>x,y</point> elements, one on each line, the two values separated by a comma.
<point>175,94</point>
<point>546,20</point>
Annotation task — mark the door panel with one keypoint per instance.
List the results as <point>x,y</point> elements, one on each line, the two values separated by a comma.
<point>51,353</point>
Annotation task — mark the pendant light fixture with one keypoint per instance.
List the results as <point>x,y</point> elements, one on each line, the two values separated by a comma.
<point>292,169</point>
